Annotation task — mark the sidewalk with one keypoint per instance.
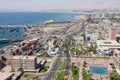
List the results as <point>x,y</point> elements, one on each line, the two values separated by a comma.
<point>80,71</point>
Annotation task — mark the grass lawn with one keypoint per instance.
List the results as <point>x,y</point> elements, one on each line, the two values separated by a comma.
<point>28,75</point>
<point>44,70</point>
<point>75,73</point>
<point>72,50</point>
<point>60,74</point>
<point>86,74</point>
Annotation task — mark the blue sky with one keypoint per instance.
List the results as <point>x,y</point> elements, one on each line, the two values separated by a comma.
<point>36,5</point>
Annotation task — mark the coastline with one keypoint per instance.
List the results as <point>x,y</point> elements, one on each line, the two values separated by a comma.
<point>32,18</point>
<point>76,17</point>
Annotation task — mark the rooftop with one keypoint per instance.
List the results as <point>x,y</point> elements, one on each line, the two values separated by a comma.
<point>107,42</point>
<point>3,76</point>
<point>6,68</point>
<point>24,57</point>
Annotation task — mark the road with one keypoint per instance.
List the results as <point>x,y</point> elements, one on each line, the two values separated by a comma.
<point>52,73</point>
<point>80,28</point>
<point>68,61</point>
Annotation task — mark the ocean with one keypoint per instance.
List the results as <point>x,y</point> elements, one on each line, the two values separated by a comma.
<point>4,45</point>
<point>23,18</point>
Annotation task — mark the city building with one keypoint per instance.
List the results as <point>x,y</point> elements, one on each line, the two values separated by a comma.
<point>78,39</point>
<point>91,36</point>
<point>52,50</point>
<point>105,46</point>
<point>112,34</point>
<point>27,63</point>
<point>99,15</point>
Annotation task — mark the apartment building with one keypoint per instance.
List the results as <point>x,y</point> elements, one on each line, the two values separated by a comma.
<point>27,63</point>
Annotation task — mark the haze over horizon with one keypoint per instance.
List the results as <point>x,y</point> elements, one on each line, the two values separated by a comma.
<point>38,5</point>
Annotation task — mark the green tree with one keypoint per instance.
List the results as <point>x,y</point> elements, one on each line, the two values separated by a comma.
<point>114,75</point>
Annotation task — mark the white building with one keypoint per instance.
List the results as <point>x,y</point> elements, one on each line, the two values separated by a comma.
<point>51,49</point>
<point>99,15</point>
<point>105,46</point>
<point>78,39</point>
<point>91,36</point>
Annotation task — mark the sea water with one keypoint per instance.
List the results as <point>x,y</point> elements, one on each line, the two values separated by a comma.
<point>22,18</point>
